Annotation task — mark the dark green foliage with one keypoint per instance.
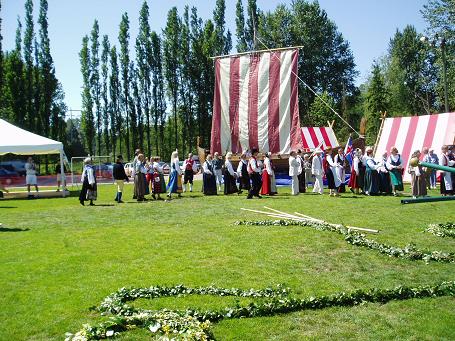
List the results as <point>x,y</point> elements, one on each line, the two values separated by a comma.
<point>87,119</point>
<point>95,86</point>
<point>376,101</point>
<point>124,37</point>
<point>104,91</point>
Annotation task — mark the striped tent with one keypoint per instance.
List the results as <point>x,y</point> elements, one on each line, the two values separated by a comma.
<point>313,137</point>
<point>416,132</point>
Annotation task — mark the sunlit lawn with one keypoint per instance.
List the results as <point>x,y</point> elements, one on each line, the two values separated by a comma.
<point>69,257</point>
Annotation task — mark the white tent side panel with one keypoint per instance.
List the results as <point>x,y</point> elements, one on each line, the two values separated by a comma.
<point>22,142</point>
<point>415,132</point>
<point>322,137</point>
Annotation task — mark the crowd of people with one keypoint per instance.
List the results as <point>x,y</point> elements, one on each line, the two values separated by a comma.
<point>255,174</point>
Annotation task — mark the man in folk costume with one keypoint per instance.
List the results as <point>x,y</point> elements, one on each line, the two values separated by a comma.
<point>435,160</point>
<point>330,170</point>
<point>294,168</point>
<point>318,172</point>
<point>268,176</point>
<point>446,177</point>
<point>208,177</point>
<point>371,173</point>
<point>255,175</point>
<point>384,176</point>
<point>190,168</point>
<point>119,175</point>
<point>217,169</point>
<point>230,176</point>
<point>242,172</point>
<point>340,161</point>
<point>88,179</point>
<point>301,176</point>
<point>357,179</point>
<point>175,177</point>
<point>395,167</point>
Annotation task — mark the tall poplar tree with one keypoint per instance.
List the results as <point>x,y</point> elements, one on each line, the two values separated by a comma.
<point>144,62</point>
<point>1,64</point>
<point>223,42</point>
<point>28,58</point>
<point>104,91</point>
<point>252,25</point>
<point>171,42</point>
<point>136,108</point>
<point>87,120</point>
<point>124,37</point>
<point>158,92</point>
<point>114,106</point>
<point>95,80</point>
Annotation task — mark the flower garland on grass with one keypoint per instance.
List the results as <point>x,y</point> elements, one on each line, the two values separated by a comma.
<point>359,239</point>
<point>442,230</point>
<point>192,324</point>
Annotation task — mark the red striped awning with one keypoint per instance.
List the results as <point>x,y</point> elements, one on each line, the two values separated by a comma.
<point>322,137</point>
<point>411,133</point>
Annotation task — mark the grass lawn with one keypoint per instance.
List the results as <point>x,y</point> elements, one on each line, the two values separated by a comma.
<point>69,257</point>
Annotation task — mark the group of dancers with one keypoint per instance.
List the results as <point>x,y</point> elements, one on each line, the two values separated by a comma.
<point>256,175</point>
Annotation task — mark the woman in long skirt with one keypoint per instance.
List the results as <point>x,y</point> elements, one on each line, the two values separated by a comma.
<point>302,175</point>
<point>371,174</point>
<point>418,174</point>
<point>89,188</point>
<point>140,183</point>
<point>230,184</point>
<point>175,178</point>
<point>356,180</point>
<point>395,166</point>
<point>333,181</point>
<point>268,177</point>
<point>384,176</point>
<point>208,177</point>
<point>340,160</point>
<point>158,184</point>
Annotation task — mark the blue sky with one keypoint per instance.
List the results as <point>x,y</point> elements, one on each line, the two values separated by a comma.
<point>368,25</point>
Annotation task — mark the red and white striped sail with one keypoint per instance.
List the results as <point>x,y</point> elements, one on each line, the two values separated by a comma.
<point>256,103</point>
<point>411,133</point>
<point>322,137</point>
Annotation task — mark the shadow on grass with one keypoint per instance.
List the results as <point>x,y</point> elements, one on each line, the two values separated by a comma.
<point>8,206</point>
<point>6,229</point>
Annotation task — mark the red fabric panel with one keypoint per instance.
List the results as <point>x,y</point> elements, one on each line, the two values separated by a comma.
<point>393,133</point>
<point>274,102</point>
<point>215,144</point>
<point>234,94</point>
<point>409,139</point>
<point>295,119</point>
<point>253,89</point>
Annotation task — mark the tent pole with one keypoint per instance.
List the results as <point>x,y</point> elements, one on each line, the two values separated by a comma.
<point>375,147</point>
<point>62,172</point>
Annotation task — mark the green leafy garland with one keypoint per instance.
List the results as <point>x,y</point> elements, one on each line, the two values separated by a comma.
<point>359,239</point>
<point>442,230</point>
<point>192,324</point>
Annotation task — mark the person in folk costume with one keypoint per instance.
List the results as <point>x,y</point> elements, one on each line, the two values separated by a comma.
<point>340,161</point>
<point>133,166</point>
<point>149,175</point>
<point>30,177</point>
<point>189,168</point>
<point>242,172</point>
<point>301,176</point>
<point>255,175</point>
<point>294,169</point>
<point>175,177</point>
<point>426,158</point>
<point>217,169</point>
<point>419,182</point>
<point>230,176</point>
<point>384,176</point>
<point>119,175</point>
<point>330,170</point>
<point>446,185</point>
<point>357,176</point>
<point>268,176</point>
<point>208,177</point>
<point>307,170</point>
<point>139,178</point>
<point>88,179</point>
<point>395,167</point>
<point>371,173</point>
<point>317,169</point>
<point>158,183</point>
<point>433,158</point>
<point>451,155</point>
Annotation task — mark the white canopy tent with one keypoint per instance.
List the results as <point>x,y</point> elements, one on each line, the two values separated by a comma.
<point>18,141</point>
